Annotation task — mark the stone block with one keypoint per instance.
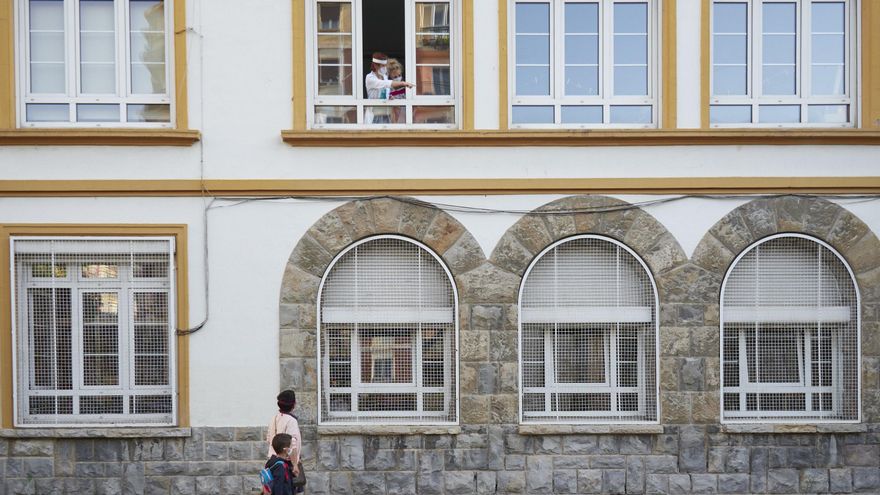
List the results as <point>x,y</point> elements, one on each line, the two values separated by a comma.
<point>469,459</point>
<point>675,407</point>
<point>733,483</point>
<point>486,482</point>
<point>340,483</point>
<point>415,219</point>
<point>704,483</point>
<point>509,378</point>
<point>504,409</point>
<point>679,483</point>
<point>840,480</point>
<point>692,451</point>
<point>705,407</point>
<point>674,342</point>
<point>571,462</point>
<point>614,481</point>
<point>531,231</point>
<point>366,483</point>
<point>665,464</point>
<point>665,254</point>
<point>814,480</point>
<point>351,453</point>
<point>580,444</point>
<point>65,457</point>
<point>862,455</point>
<point>510,255</point>
<point>782,481</point>
<point>565,481</point>
<point>516,462</point>
<point>402,482</point>
<point>548,444</point>
<point>113,486</point>
<point>636,444</point>
<point>488,284</point>
<point>691,374</point>
<point>657,484</point>
<point>608,462</point>
<point>758,482</point>
<point>539,474</point>
<point>32,448</point>
<point>298,285</point>
<point>443,232</point>
<point>866,479</point>
<point>589,481</point>
<point>712,255</point>
<point>511,482</point>
<point>430,484</point>
<point>635,474</point>
<point>487,383</point>
<point>460,482</point>
<point>466,254</point>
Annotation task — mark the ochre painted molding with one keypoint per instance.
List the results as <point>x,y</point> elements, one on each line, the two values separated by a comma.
<point>467,54</point>
<point>503,83</point>
<point>705,61</point>
<point>179,232</point>
<point>654,137</point>
<point>99,137</point>
<point>298,12</point>
<point>374,187</point>
<point>181,117</point>
<point>668,61</point>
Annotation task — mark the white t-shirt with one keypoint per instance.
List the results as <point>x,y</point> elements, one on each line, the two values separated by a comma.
<point>285,423</point>
<point>375,84</point>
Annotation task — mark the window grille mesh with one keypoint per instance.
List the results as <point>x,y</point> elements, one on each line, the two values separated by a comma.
<point>388,336</point>
<point>790,334</point>
<point>95,323</point>
<point>588,336</point>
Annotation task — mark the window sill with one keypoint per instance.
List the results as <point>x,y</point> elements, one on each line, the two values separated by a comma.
<point>553,429</point>
<point>794,428</point>
<point>654,137</point>
<point>99,137</point>
<point>388,430</point>
<point>96,432</point>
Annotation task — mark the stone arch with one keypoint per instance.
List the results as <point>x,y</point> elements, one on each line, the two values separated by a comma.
<point>816,217</point>
<point>317,248</point>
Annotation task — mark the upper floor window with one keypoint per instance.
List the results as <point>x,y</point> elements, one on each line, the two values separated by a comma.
<point>350,86</point>
<point>588,327</point>
<point>783,63</point>
<point>790,333</point>
<point>93,63</point>
<point>94,331</point>
<point>583,63</point>
<point>387,336</point>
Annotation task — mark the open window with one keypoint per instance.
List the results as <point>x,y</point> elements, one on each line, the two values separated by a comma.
<point>421,35</point>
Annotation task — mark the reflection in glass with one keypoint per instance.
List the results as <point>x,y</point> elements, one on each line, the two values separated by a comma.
<point>532,80</point>
<point>572,114</point>
<point>97,47</point>
<point>630,49</point>
<point>630,114</point>
<point>828,114</point>
<point>97,113</point>
<point>149,113</point>
<point>47,59</point>
<point>828,80</point>
<point>779,114</point>
<point>828,64</point>
<point>433,80</point>
<point>334,17</point>
<point>581,80</point>
<point>532,49</point>
<point>147,19</point>
<point>532,114</point>
<point>433,115</point>
<point>779,80</point>
<point>433,56</point>
<point>335,115</point>
<point>334,49</point>
<point>779,49</point>
<point>730,114</point>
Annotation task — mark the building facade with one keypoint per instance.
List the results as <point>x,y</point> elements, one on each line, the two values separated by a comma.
<point>605,246</point>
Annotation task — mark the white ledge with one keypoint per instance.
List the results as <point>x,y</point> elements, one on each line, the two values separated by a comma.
<point>794,428</point>
<point>388,430</point>
<point>552,429</point>
<point>96,433</point>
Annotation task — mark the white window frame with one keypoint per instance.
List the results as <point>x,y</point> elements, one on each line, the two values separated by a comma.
<point>356,100</point>
<point>356,387</point>
<point>72,95</point>
<point>804,361</point>
<point>125,289</point>
<point>557,97</point>
<point>610,339</point>
<point>754,57</point>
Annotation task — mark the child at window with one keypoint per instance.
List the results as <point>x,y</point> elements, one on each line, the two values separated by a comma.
<point>395,73</point>
<point>281,465</point>
<point>378,85</point>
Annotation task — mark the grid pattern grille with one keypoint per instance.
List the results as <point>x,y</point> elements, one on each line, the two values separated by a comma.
<point>94,321</point>
<point>588,335</point>
<point>388,336</point>
<point>790,334</point>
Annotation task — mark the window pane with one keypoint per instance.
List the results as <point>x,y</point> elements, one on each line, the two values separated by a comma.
<point>334,80</point>
<point>149,113</point>
<point>147,47</point>
<point>828,17</point>
<point>582,49</point>
<point>730,114</point>
<point>729,80</point>
<point>581,17</point>
<point>334,17</point>
<point>47,57</point>
<point>49,320</point>
<point>46,15</point>
<point>779,49</point>
<point>334,49</point>
<point>532,81</point>
<point>779,80</point>
<point>335,115</point>
<point>97,113</point>
<point>532,114</point>
<point>630,18</point>
<point>533,18</point>
<point>828,80</point>
<point>630,49</point>
<point>432,49</point>
<point>630,114</point>
<point>580,81</point>
<point>775,114</point>
<point>581,114</point>
<point>729,49</point>
<point>531,49</point>
<point>780,17</point>
<point>730,18</point>
<point>97,47</point>
<point>828,114</point>
<point>630,80</point>
<point>47,112</point>
<point>433,115</point>
<point>433,81</point>
<point>828,48</point>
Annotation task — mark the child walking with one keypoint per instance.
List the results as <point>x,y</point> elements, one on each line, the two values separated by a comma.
<point>281,466</point>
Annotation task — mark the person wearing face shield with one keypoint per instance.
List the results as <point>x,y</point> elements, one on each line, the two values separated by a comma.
<point>378,87</point>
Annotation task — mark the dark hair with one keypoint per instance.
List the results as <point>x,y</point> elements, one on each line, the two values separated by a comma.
<point>286,400</point>
<point>280,442</point>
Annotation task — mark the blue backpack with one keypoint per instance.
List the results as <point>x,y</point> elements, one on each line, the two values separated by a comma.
<point>266,477</point>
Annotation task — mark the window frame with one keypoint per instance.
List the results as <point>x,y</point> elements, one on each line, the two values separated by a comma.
<point>456,61</point>
<point>126,352</point>
<point>610,340</point>
<point>804,338</point>
<point>803,40</point>
<point>174,62</point>
<point>655,83</point>
<point>450,370</point>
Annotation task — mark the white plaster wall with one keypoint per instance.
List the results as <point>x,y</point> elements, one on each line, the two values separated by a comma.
<point>687,79</point>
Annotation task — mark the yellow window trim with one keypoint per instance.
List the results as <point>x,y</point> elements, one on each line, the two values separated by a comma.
<point>8,104</point>
<point>301,71</point>
<point>870,68</point>
<point>99,137</point>
<point>179,232</point>
<point>667,65</point>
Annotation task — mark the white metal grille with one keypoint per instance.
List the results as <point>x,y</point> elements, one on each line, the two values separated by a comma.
<point>790,334</point>
<point>588,335</point>
<point>95,331</point>
<point>387,335</point>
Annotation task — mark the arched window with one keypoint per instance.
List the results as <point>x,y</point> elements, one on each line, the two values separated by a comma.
<point>789,328</point>
<point>387,335</point>
<point>588,327</point>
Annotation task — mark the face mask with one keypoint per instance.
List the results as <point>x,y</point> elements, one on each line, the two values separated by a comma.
<point>383,71</point>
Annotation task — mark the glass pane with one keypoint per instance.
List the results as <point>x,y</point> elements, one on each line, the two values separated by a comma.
<point>779,80</point>
<point>149,113</point>
<point>98,78</point>
<point>533,18</point>
<point>780,18</point>
<point>379,115</point>
<point>50,338</point>
<point>828,48</point>
<point>432,18</point>
<point>96,15</point>
<point>47,78</point>
<point>150,307</point>
<point>828,17</point>
<point>730,114</point>
<point>531,49</point>
<point>98,47</point>
<point>532,81</point>
<point>47,47</point>
<point>432,49</point>
<point>728,49</point>
<point>630,18</point>
<point>147,15</point>
<point>47,112</point>
<point>335,115</point>
<point>46,14</point>
<point>581,80</point>
<point>581,115</point>
<point>581,18</point>
<point>630,49</point>
<point>532,115</point>
<point>96,270</point>
<point>729,80</point>
<point>828,80</point>
<point>630,114</point>
<point>779,49</point>
<point>334,17</point>
<point>582,49</point>
<point>730,18</point>
<point>433,81</point>
<point>631,81</point>
<point>97,113</point>
<point>334,80</point>
<point>779,114</point>
<point>147,47</point>
<point>433,115</point>
<point>828,114</point>
<point>47,58</point>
